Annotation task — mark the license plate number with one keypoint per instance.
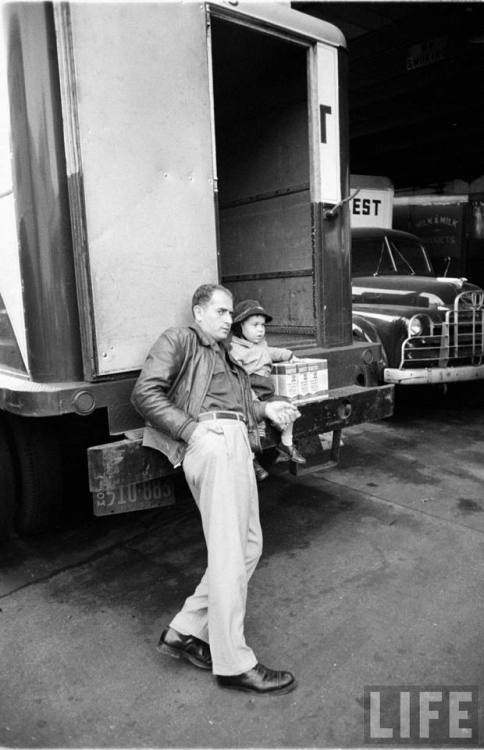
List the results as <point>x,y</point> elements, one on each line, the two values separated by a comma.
<point>153,494</point>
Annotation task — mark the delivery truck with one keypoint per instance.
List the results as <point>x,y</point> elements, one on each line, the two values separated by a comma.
<point>146,149</point>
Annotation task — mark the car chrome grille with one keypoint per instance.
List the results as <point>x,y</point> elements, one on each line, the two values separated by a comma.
<point>458,340</point>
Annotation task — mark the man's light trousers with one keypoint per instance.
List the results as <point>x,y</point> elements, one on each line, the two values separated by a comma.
<point>219,470</point>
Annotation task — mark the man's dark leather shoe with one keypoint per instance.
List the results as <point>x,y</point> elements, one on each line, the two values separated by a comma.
<point>260,680</point>
<point>186,647</point>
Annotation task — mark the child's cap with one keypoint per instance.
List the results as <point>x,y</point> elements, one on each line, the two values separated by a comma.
<point>248,307</point>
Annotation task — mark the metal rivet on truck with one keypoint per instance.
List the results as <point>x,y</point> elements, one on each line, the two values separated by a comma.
<point>344,410</point>
<point>83,402</point>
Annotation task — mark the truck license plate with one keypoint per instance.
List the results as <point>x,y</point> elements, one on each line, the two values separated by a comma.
<point>152,494</point>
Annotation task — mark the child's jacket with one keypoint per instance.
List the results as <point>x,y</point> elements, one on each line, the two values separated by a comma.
<point>257,358</point>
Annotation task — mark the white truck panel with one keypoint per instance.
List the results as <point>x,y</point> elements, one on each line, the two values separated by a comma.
<point>10,277</point>
<point>373,204</point>
<point>145,142</point>
<point>329,188</point>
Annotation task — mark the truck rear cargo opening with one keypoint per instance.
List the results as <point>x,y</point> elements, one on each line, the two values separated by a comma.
<point>262,148</point>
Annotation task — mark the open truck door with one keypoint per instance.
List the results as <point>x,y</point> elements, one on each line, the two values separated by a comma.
<point>156,147</point>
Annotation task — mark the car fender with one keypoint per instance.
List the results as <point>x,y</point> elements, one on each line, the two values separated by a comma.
<point>387,328</point>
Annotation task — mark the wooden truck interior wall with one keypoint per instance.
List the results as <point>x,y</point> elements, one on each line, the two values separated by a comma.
<point>262,149</point>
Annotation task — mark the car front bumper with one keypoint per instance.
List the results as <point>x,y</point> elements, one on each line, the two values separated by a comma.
<point>424,375</point>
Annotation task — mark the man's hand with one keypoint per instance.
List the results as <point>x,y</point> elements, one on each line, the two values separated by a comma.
<point>281,412</point>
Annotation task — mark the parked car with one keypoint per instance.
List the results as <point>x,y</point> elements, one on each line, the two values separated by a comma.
<point>431,328</point>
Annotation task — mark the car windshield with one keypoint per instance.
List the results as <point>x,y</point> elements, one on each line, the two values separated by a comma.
<point>381,256</point>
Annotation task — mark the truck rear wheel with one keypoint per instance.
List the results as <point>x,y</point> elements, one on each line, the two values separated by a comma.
<point>37,456</point>
<point>7,485</point>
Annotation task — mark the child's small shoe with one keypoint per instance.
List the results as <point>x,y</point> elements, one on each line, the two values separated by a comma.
<point>291,452</point>
<point>260,472</point>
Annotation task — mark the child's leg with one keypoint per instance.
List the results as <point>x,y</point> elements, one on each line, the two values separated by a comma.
<point>286,434</point>
<point>286,447</point>
<point>260,472</point>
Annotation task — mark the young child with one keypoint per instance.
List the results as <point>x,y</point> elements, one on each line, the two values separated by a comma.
<point>249,347</point>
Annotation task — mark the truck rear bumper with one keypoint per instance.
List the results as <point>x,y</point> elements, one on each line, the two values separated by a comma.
<point>429,375</point>
<point>115,468</point>
<point>347,406</point>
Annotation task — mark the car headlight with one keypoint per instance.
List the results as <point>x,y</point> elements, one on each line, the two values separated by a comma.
<point>419,325</point>
<point>415,327</point>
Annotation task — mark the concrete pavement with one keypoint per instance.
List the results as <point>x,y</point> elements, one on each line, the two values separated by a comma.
<point>371,575</point>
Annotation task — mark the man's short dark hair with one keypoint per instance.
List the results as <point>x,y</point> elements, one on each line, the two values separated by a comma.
<point>204,294</point>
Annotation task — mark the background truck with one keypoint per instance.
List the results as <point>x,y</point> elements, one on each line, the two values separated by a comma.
<point>431,327</point>
<point>152,148</point>
<point>452,228</point>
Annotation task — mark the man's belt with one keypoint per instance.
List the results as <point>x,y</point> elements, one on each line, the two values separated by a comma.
<point>221,415</point>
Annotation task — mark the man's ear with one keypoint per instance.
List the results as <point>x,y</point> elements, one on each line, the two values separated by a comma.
<point>196,312</point>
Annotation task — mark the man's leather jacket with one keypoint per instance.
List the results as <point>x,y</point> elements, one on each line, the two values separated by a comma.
<point>172,386</point>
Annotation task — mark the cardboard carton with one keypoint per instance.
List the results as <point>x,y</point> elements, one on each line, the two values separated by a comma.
<point>317,377</point>
<point>302,380</point>
<point>285,377</point>
<point>305,380</point>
